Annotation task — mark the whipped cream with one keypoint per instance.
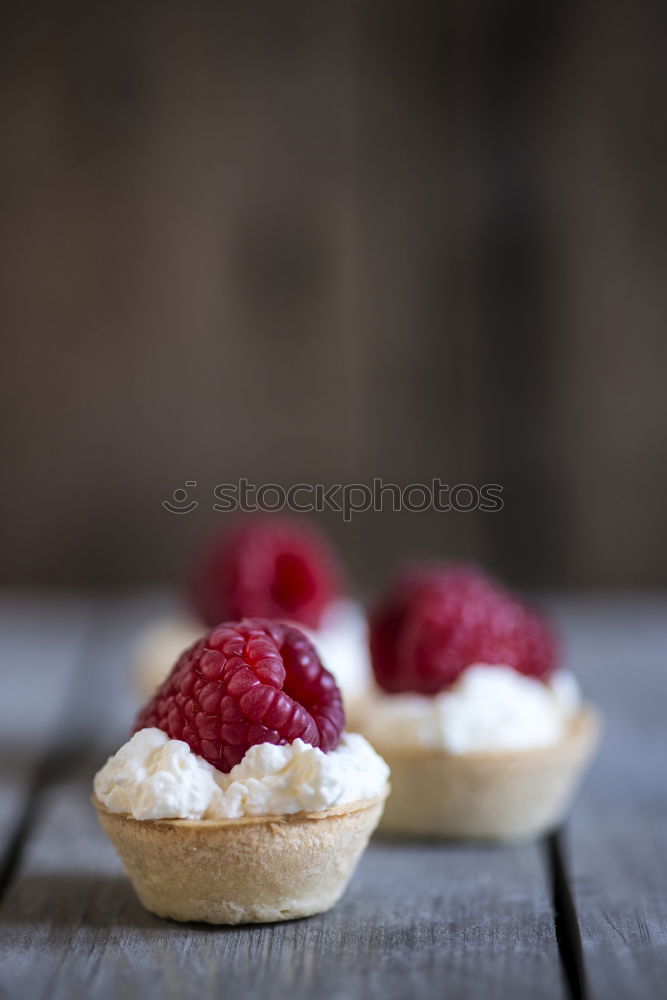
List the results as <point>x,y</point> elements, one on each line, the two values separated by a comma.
<point>153,777</point>
<point>489,708</point>
<point>342,644</point>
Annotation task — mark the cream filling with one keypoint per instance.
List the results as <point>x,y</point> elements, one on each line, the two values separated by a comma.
<point>153,777</point>
<point>489,708</point>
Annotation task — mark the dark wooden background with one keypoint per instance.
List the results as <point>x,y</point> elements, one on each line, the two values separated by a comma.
<point>305,241</point>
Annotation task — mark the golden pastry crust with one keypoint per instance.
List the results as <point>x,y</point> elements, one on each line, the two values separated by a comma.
<point>250,870</point>
<point>511,795</point>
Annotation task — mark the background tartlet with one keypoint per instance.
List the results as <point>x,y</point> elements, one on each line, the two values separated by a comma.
<point>508,795</point>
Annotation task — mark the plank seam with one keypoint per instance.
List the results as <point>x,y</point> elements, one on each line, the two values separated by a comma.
<point>51,765</point>
<point>566,922</point>
<point>14,850</point>
<point>46,773</point>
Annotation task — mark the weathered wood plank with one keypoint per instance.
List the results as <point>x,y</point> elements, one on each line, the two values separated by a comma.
<point>618,835</point>
<point>40,645</point>
<point>417,919</point>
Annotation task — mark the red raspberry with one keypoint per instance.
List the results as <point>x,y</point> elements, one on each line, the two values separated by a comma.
<point>436,622</point>
<point>269,568</point>
<point>245,683</point>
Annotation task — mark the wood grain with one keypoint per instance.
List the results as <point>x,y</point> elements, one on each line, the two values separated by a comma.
<point>324,242</point>
<point>413,919</point>
<point>417,920</point>
<point>618,835</point>
<point>40,650</point>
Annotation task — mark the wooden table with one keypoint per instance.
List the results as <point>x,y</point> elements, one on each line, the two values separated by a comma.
<point>582,913</point>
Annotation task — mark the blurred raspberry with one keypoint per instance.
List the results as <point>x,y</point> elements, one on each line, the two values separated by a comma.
<point>245,683</point>
<point>435,622</point>
<point>270,568</point>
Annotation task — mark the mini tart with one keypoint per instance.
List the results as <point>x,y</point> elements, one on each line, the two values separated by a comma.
<point>507,795</point>
<point>158,649</point>
<point>254,869</point>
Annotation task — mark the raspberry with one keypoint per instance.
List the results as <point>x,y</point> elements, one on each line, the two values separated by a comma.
<point>267,568</point>
<point>245,683</point>
<point>436,622</point>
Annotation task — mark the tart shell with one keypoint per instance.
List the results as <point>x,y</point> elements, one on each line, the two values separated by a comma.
<point>510,795</point>
<point>255,869</point>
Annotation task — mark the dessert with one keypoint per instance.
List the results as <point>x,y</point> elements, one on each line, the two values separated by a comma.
<point>342,642</point>
<point>158,647</point>
<point>240,798</point>
<point>485,736</point>
<point>267,567</point>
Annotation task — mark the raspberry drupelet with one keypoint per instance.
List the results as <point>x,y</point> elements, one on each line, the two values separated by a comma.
<point>437,621</point>
<point>244,683</point>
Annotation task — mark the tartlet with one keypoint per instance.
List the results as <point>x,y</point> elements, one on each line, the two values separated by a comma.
<point>240,797</point>
<point>505,795</point>
<point>485,735</point>
<point>269,567</point>
<point>254,869</point>
<point>341,641</point>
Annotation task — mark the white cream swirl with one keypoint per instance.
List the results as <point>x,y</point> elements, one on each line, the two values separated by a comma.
<point>153,777</point>
<point>489,708</point>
